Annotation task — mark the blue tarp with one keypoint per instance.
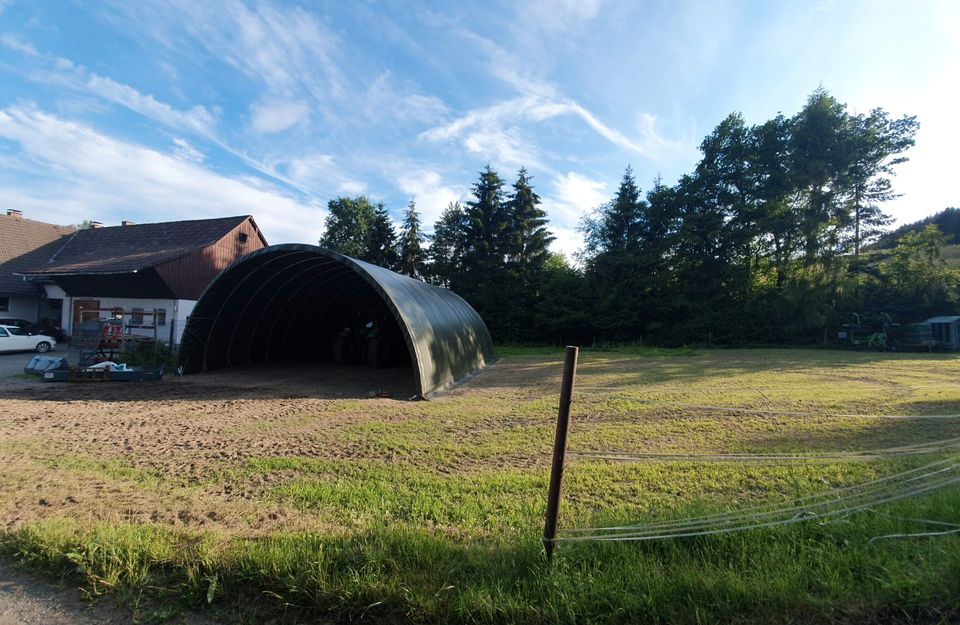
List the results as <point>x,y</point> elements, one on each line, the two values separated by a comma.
<point>40,364</point>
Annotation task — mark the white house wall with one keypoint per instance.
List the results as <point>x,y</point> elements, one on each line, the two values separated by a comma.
<point>22,307</point>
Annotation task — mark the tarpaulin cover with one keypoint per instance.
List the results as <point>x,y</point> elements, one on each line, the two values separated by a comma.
<point>287,302</point>
<point>39,364</point>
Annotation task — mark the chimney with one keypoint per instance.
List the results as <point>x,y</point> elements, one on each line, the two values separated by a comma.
<point>127,222</point>
<point>95,224</point>
<point>13,212</point>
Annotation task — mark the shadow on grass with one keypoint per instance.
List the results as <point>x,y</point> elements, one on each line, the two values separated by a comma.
<point>809,572</point>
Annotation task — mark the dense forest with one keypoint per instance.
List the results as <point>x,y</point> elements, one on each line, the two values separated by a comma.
<point>765,241</point>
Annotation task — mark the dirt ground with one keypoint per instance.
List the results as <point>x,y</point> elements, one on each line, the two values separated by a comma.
<point>155,451</point>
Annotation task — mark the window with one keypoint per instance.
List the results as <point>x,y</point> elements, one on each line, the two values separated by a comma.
<point>161,316</point>
<point>4,304</point>
<point>243,237</point>
<point>136,316</point>
<point>3,332</point>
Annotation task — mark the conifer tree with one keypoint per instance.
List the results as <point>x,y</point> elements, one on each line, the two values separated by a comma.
<point>448,245</point>
<point>381,246</point>
<point>412,256</point>
<point>530,237</point>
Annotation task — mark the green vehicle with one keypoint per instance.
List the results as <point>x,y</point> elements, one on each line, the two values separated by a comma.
<point>874,331</point>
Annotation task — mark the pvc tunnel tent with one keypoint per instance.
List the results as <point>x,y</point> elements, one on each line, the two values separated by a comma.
<point>290,302</point>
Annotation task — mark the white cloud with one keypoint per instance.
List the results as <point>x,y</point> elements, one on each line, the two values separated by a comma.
<point>186,152</point>
<point>573,196</point>
<point>505,148</point>
<point>426,187</point>
<point>388,101</point>
<point>353,187</point>
<point>197,118</point>
<point>288,49</point>
<point>63,72</point>
<point>555,16</point>
<point>14,43</point>
<point>490,120</point>
<point>567,241</point>
<point>655,143</point>
<point>90,175</point>
<point>271,117</point>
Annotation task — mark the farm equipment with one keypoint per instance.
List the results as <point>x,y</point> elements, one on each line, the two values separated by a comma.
<point>102,335</point>
<point>875,331</point>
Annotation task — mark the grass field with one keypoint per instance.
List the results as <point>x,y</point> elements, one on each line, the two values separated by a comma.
<point>282,501</point>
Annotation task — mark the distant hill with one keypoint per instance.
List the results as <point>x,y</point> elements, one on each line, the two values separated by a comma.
<point>948,220</point>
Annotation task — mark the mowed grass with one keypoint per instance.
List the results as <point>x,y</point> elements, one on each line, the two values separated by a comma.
<point>432,511</point>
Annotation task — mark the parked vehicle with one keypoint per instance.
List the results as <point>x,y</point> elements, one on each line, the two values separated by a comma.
<point>15,339</point>
<point>20,323</point>
<point>43,327</point>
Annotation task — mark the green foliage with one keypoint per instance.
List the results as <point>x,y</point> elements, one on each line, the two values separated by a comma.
<point>447,247</point>
<point>381,240</point>
<point>358,228</point>
<point>149,355</point>
<point>412,256</point>
<point>348,225</point>
<point>760,243</point>
<point>917,270</point>
<point>948,220</point>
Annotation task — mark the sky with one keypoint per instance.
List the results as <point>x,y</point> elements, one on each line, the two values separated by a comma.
<point>155,111</point>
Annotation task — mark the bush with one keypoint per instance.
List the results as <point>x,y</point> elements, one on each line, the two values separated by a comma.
<point>149,355</point>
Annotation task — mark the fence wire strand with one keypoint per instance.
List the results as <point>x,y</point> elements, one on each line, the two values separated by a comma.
<point>825,507</point>
<point>832,503</point>
<point>744,525</point>
<point>883,453</point>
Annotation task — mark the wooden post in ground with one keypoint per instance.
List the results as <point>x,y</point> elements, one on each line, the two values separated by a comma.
<point>559,450</point>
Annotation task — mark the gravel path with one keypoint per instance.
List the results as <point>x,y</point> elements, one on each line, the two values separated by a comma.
<point>27,601</point>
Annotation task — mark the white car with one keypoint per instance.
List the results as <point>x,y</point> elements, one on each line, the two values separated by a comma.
<point>13,339</point>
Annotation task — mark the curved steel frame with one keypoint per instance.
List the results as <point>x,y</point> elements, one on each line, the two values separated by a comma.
<point>446,338</point>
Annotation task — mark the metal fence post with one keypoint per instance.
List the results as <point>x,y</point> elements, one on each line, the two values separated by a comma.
<point>559,450</point>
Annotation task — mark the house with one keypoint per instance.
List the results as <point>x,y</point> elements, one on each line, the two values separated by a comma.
<point>154,273</point>
<point>946,330</point>
<point>22,243</point>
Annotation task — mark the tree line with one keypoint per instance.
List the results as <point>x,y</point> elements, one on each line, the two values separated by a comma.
<point>763,242</point>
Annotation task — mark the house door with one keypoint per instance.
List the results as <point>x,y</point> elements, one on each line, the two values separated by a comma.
<point>85,304</point>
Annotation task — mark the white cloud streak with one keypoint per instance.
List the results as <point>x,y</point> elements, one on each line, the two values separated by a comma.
<point>63,72</point>
<point>490,121</point>
<point>99,177</point>
<point>270,117</point>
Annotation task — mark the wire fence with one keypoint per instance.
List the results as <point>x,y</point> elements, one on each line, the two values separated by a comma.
<point>941,469</point>
<point>823,506</point>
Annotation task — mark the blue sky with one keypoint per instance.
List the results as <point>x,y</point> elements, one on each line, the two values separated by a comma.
<point>154,111</point>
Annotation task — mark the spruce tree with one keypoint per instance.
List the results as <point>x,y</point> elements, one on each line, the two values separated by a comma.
<point>448,244</point>
<point>530,238</point>
<point>412,256</point>
<point>381,248</point>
